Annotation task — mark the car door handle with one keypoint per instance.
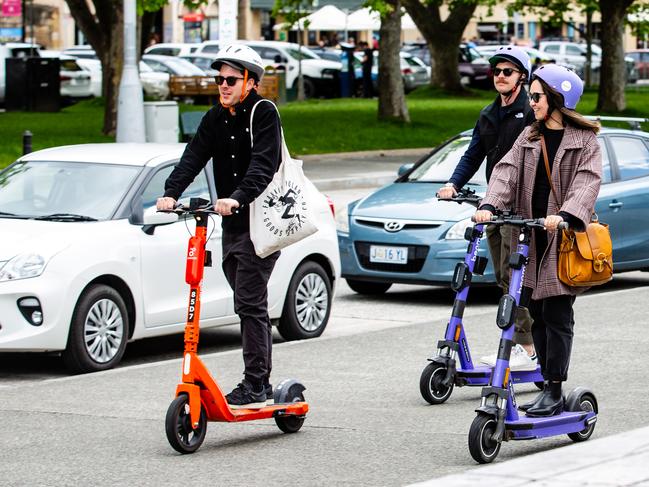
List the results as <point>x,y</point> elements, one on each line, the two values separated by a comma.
<point>615,204</point>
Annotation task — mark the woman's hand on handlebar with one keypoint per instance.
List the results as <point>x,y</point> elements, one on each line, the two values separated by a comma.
<point>552,222</point>
<point>482,216</point>
<point>165,204</point>
<point>446,193</point>
<point>226,206</point>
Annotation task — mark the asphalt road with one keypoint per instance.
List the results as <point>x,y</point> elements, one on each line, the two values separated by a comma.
<point>368,424</point>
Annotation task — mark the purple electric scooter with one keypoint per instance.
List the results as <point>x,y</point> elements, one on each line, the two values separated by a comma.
<point>498,419</point>
<point>452,366</point>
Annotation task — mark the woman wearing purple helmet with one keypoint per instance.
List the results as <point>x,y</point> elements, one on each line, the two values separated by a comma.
<point>563,190</point>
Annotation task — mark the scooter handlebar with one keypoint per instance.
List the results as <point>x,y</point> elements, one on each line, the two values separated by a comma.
<point>464,196</point>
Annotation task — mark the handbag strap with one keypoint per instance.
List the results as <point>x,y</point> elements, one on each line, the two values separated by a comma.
<point>284,148</point>
<point>547,169</point>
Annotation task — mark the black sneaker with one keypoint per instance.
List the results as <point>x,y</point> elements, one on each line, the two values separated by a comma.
<point>243,397</point>
<point>270,399</point>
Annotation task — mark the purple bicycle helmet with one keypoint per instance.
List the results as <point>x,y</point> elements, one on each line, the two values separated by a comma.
<point>563,81</point>
<point>513,54</point>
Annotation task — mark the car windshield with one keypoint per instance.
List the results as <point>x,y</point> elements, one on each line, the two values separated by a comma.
<point>303,53</point>
<point>39,188</point>
<point>184,67</point>
<point>440,165</point>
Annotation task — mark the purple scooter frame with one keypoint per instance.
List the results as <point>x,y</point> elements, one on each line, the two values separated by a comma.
<point>498,419</point>
<point>444,372</point>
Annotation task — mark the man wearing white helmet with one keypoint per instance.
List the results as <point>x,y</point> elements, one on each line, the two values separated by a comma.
<point>499,125</point>
<point>241,173</point>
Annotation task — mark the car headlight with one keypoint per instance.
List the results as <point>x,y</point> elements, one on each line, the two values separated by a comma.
<point>456,232</point>
<point>23,266</point>
<point>342,220</point>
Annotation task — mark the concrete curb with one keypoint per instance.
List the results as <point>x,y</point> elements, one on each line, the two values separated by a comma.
<point>365,154</point>
<point>369,181</point>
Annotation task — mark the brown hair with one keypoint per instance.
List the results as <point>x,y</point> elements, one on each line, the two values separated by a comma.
<point>570,117</point>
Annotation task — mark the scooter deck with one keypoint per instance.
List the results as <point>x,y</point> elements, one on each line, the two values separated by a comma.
<point>479,376</point>
<point>271,411</point>
<point>527,427</point>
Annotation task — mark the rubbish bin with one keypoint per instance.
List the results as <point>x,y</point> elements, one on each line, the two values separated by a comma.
<point>33,84</point>
<point>161,121</point>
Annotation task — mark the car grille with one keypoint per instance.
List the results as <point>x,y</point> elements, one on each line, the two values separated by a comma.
<point>416,258</point>
<point>407,224</point>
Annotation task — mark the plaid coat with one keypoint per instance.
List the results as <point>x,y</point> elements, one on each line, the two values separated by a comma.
<point>576,176</point>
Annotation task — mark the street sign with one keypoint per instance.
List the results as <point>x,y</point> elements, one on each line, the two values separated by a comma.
<point>228,20</point>
<point>11,8</point>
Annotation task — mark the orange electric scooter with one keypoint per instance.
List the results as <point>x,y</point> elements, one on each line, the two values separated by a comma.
<point>199,399</point>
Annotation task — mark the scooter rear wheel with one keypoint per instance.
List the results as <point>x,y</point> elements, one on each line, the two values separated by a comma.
<point>430,384</point>
<point>180,434</point>
<point>291,423</point>
<point>482,447</point>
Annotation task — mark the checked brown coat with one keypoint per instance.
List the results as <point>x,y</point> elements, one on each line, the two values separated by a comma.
<point>576,176</point>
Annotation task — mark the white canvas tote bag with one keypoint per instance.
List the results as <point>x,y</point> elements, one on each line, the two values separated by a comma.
<point>284,213</point>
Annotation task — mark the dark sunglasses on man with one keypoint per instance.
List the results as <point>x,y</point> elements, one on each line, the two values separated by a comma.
<point>230,80</point>
<point>506,71</point>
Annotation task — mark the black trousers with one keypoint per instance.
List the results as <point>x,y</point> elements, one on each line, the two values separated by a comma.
<point>552,332</point>
<point>248,277</point>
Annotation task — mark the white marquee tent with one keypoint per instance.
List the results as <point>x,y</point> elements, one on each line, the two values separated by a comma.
<point>331,18</point>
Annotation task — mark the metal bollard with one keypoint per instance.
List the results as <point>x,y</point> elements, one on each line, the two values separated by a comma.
<point>27,142</point>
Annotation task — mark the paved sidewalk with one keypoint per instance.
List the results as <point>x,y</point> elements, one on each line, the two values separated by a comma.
<point>357,169</point>
<point>617,460</point>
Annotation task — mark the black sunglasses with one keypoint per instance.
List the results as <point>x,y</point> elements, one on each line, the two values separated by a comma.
<point>535,97</point>
<point>506,71</point>
<point>230,80</point>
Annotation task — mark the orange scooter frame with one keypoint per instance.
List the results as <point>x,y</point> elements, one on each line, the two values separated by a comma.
<point>198,397</point>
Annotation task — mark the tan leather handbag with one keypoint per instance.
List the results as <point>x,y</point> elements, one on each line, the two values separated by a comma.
<point>585,258</point>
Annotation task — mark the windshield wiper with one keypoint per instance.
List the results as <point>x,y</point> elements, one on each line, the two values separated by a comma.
<point>66,216</point>
<point>10,215</point>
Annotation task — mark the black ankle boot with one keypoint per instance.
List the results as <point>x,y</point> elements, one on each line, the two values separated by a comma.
<point>525,407</point>
<point>550,403</point>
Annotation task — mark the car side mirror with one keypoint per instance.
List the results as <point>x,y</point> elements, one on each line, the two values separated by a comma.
<point>404,169</point>
<point>279,59</point>
<point>153,217</point>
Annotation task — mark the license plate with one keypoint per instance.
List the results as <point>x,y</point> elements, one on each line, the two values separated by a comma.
<point>389,255</point>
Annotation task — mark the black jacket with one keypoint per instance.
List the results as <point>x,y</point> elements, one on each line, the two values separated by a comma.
<point>493,137</point>
<point>240,172</point>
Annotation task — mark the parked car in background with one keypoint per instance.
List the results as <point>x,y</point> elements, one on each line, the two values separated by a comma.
<point>171,65</point>
<point>489,50</point>
<point>171,49</point>
<point>82,51</point>
<point>575,53</point>
<point>75,80</point>
<point>201,60</point>
<point>93,66</point>
<point>473,68</point>
<point>87,264</point>
<point>402,233</point>
<point>641,59</point>
<point>154,83</point>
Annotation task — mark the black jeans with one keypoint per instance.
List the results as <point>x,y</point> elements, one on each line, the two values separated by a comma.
<point>248,277</point>
<point>552,331</point>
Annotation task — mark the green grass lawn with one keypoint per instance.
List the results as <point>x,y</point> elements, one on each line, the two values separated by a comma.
<point>311,127</point>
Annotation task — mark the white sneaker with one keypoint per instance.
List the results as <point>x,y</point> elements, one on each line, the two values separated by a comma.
<point>518,360</point>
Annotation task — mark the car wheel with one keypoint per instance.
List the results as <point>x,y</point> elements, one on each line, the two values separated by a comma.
<point>366,287</point>
<point>308,303</point>
<point>98,331</point>
<point>309,88</point>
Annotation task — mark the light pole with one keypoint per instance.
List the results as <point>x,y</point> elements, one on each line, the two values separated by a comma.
<point>130,108</point>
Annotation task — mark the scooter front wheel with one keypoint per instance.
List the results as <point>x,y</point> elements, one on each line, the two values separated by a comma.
<point>582,400</point>
<point>178,426</point>
<point>430,384</point>
<point>482,447</point>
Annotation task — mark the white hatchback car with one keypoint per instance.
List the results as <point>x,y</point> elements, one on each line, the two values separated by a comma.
<point>86,264</point>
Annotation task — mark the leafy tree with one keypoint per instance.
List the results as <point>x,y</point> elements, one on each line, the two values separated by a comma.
<point>293,12</point>
<point>392,99</point>
<point>443,36</point>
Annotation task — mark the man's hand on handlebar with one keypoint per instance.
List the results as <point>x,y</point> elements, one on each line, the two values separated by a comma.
<point>226,206</point>
<point>165,204</point>
<point>482,216</point>
<point>446,193</point>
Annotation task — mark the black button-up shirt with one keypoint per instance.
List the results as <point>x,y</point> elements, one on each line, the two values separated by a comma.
<point>241,172</point>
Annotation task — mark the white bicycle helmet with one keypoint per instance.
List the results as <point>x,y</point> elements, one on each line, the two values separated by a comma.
<point>240,56</point>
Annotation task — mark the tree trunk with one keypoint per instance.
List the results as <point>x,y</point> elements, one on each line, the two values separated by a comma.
<point>588,69</point>
<point>104,28</point>
<point>613,69</point>
<point>300,78</point>
<point>392,98</point>
<point>443,38</point>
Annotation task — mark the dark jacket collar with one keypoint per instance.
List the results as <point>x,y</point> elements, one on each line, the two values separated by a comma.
<point>246,105</point>
<point>519,106</point>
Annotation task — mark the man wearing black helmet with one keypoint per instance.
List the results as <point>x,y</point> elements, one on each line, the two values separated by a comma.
<point>242,171</point>
<point>499,125</point>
